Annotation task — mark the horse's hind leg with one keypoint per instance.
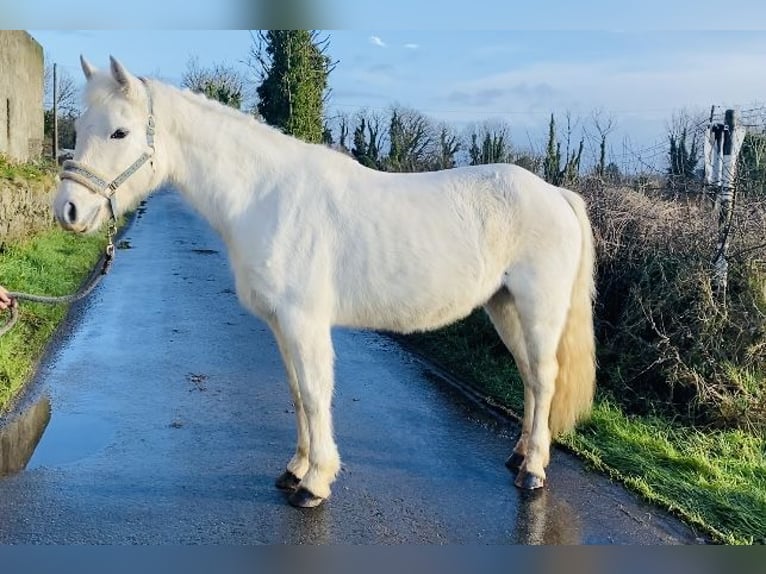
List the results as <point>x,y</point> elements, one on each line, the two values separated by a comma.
<point>506,321</point>
<point>541,299</point>
<point>309,345</point>
<point>298,465</point>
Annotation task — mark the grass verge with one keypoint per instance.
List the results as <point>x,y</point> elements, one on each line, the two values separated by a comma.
<point>713,479</point>
<point>53,263</point>
<point>30,171</point>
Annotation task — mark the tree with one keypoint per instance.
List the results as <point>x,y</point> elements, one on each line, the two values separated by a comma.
<point>368,141</point>
<point>552,159</point>
<point>293,68</point>
<point>66,129</point>
<point>528,161</point>
<point>218,82</point>
<point>490,144</point>
<point>68,109</point>
<point>66,90</point>
<point>751,166</point>
<point>683,158</point>
<point>603,125</point>
<point>410,136</point>
<point>448,146</point>
<point>553,172</point>
<point>684,149</point>
<point>343,132</point>
<point>612,173</point>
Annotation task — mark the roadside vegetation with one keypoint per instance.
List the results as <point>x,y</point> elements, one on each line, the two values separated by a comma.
<point>52,263</point>
<point>48,261</point>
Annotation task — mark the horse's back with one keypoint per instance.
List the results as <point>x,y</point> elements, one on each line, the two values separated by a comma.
<point>418,251</point>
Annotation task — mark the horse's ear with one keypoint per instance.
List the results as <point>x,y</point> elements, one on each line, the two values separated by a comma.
<point>124,78</point>
<point>87,68</point>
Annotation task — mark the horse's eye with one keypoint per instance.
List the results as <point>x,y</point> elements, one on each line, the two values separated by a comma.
<point>119,134</point>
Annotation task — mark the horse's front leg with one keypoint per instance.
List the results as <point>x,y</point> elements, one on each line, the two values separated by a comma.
<point>309,345</point>
<point>299,464</point>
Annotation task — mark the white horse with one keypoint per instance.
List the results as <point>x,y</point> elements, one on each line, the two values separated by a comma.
<point>315,239</point>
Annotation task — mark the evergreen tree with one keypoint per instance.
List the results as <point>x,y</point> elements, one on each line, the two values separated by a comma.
<point>367,138</point>
<point>396,135</point>
<point>494,147</point>
<point>448,147</point>
<point>683,148</point>
<point>294,68</point>
<point>552,159</point>
<point>474,151</point>
<point>343,133</point>
<point>553,172</point>
<point>360,142</point>
<point>683,158</point>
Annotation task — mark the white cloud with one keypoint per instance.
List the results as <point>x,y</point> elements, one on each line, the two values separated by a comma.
<point>412,46</point>
<point>377,41</point>
<point>640,92</point>
<point>645,87</point>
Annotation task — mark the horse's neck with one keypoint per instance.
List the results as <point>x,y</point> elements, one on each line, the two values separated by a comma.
<point>219,162</point>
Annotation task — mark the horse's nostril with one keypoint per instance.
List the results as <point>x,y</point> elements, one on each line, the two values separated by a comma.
<point>70,212</point>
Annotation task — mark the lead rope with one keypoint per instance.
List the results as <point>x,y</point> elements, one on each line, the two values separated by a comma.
<point>93,280</point>
<point>85,176</point>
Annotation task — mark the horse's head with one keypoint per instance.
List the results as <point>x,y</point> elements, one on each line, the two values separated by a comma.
<point>113,165</point>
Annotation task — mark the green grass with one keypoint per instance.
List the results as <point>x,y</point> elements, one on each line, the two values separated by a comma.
<point>28,171</point>
<point>52,263</point>
<point>715,480</point>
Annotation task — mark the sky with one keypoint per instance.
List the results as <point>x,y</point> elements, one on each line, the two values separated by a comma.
<point>389,15</point>
<point>637,78</point>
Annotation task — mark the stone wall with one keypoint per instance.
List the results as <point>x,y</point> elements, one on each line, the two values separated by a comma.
<point>25,207</point>
<point>21,95</point>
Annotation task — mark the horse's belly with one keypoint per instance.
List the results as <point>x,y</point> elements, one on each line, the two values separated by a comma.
<point>418,310</point>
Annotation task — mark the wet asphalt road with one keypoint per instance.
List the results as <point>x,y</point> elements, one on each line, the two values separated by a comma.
<point>170,419</point>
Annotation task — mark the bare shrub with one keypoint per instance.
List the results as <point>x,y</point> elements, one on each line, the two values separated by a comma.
<point>665,342</point>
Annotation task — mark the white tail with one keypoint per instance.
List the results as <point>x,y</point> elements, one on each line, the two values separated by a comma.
<point>576,354</point>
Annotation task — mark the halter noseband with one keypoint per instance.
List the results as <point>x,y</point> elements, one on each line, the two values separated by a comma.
<point>87,177</point>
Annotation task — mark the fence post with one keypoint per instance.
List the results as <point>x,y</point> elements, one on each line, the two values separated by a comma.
<point>728,140</point>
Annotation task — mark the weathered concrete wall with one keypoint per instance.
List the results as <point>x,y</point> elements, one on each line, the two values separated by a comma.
<point>21,95</point>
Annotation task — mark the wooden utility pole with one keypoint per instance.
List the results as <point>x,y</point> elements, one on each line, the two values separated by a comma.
<point>55,115</point>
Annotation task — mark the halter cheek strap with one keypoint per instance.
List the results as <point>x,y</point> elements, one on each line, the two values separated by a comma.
<point>97,183</point>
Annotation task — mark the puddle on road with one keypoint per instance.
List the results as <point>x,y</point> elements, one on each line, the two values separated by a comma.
<point>71,437</point>
<point>20,436</point>
<point>38,437</point>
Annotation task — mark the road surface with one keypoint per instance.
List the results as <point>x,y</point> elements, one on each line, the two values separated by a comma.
<point>166,418</point>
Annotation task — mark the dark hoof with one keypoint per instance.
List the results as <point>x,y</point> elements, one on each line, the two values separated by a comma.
<point>529,481</point>
<point>514,462</point>
<point>304,498</point>
<point>287,481</point>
